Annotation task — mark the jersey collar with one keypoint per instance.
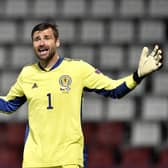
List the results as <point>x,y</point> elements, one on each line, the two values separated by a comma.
<point>54,66</point>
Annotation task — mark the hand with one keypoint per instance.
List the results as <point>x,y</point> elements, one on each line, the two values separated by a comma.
<point>150,62</point>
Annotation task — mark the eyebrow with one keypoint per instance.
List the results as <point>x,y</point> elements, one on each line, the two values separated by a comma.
<point>45,36</point>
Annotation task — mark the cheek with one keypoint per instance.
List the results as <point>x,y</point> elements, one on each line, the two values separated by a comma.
<point>35,46</point>
<point>52,46</point>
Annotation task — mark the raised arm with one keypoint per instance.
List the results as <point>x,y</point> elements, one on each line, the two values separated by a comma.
<point>101,84</point>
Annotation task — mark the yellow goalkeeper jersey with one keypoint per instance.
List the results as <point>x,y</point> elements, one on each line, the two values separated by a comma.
<point>54,136</point>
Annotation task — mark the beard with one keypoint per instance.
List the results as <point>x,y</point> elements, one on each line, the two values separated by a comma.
<point>47,56</point>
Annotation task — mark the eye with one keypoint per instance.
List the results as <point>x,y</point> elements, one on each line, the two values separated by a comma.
<point>36,39</point>
<point>47,37</point>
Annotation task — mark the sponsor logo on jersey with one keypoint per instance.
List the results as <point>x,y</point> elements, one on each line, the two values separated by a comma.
<point>65,83</point>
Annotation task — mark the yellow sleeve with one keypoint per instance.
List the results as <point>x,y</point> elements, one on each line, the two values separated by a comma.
<point>94,80</point>
<point>14,99</point>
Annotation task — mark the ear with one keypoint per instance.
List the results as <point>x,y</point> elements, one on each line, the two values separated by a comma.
<point>57,43</point>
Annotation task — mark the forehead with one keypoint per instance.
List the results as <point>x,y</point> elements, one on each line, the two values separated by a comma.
<point>48,31</point>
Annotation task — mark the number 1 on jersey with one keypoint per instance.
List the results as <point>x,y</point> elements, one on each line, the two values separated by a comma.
<point>49,101</point>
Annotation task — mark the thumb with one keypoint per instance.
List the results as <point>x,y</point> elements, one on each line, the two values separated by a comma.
<point>144,53</point>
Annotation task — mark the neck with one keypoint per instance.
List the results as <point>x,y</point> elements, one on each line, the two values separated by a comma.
<point>49,63</point>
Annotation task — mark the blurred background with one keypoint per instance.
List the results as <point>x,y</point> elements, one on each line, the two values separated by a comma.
<point>128,133</point>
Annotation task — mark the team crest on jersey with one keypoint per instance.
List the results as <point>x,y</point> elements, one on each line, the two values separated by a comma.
<point>65,82</point>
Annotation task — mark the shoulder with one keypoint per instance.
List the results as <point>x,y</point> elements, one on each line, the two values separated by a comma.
<point>72,61</point>
<point>76,63</point>
<point>80,67</point>
<point>29,69</point>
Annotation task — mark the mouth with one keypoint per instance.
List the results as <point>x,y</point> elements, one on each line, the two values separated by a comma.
<point>43,51</point>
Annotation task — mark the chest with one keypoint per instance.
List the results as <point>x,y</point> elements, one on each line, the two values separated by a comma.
<point>56,84</point>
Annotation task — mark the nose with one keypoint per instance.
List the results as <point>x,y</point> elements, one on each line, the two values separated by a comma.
<point>42,42</point>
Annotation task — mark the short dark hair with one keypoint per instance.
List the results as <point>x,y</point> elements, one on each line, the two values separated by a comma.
<point>43,26</point>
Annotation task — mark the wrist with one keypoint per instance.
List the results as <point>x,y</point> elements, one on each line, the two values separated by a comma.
<point>136,77</point>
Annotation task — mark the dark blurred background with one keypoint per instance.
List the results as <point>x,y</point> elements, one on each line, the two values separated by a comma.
<point>128,133</point>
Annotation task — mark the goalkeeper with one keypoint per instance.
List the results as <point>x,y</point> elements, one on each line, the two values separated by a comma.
<point>53,89</point>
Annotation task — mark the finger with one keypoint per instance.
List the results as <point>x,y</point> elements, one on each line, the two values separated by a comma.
<point>160,65</point>
<point>161,58</point>
<point>155,51</point>
<point>145,52</point>
<point>159,52</point>
<point>158,57</point>
<point>159,62</point>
